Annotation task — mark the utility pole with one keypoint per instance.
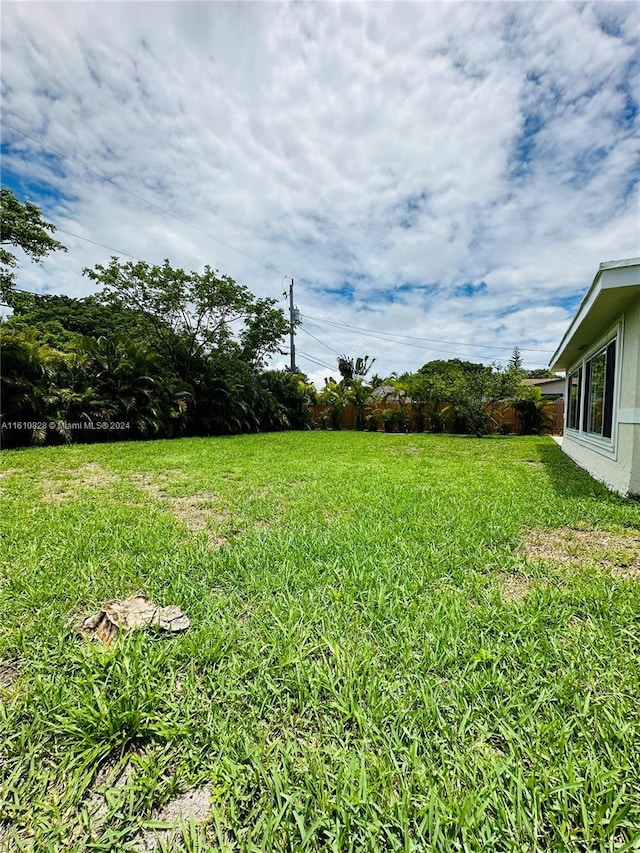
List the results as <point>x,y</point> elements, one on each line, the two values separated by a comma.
<point>292,340</point>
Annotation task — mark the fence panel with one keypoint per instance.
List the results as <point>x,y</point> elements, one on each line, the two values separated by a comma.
<point>503,418</point>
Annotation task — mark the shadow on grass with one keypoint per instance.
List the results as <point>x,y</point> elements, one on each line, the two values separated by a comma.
<point>571,481</point>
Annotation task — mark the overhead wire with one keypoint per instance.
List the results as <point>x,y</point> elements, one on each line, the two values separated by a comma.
<point>146,201</point>
<point>422,347</point>
<point>324,332</point>
<point>311,335</point>
<point>391,337</point>
<point>415,338</point>
<point>102,245</point>
<point>314,360</point>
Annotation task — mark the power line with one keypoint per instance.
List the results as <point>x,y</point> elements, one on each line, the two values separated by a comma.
<point>102,245</point>
<point>315,360</point>
<point>421,347</point>
<point>152,204</point>
<point>385,340</point>
<point>413,338</point>
<point>324,331</point>
<point>307,332</point>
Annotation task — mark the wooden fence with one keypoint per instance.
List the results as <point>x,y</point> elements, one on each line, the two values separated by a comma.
<point>391,417</point>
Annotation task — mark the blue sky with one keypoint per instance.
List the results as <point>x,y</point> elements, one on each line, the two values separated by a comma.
<point>431,171</point>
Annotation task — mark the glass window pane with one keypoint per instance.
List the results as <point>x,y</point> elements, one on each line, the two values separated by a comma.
<point>607,421</point>
<point>573,418</point>
<point>596,392</point>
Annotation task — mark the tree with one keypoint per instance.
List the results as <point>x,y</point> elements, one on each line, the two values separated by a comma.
<point>130,379</point>
<point>358,393</point>
<point>29,370</point>
<point>452,367</point>
<point>191,315</point>
<point>540,373</point>
<point>354,369</point>
<point>22,226</point>
<point>264,329</point>
<point>515,362</point>
<point>292,394</point>
<point>334,395</point>
<point>534,412</point>
<point>61,318</point>
<point>476,395</point>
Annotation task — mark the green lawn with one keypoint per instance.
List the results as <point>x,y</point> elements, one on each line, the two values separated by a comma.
<point>375,662</point>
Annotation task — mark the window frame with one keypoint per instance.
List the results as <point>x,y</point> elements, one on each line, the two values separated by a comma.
<point>574,413</point>
<point>604,444</point>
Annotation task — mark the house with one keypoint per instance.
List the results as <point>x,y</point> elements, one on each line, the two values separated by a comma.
<point>549,388</point>
<point>600,353</point>
<point>390,394</point>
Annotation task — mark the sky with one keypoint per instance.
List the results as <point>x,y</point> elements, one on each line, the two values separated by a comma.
<point>441,180</point>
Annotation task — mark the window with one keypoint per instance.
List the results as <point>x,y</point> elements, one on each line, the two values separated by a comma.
<point>609,386</point>
<point>575,387</point>
<point>596,367</point>
<point>599,382</point>
<point>591,391</point>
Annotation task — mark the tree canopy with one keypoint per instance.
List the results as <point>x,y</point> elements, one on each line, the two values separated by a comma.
<point>22,226</point>
<point>163,351</point>
<point>190,314</point>
<point>357,368</point>
<point>59,318</point>
<point>169,352</point>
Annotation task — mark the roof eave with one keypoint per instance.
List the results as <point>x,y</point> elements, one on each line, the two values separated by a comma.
<point>558,361</point>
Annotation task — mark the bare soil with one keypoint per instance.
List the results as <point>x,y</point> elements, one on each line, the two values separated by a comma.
<point>111,776</point>
<point>8,675</point>
<point>619,553</point>
<point>88,476</point>
<point>194,804</point>
<point>514,588</point>
<point>7,472</point>
<point>196,511</point>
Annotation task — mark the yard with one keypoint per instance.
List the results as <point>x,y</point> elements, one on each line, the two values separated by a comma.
<point>397,642</point>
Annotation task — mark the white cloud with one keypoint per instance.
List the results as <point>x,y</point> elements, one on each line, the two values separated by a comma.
<point>357,147</point>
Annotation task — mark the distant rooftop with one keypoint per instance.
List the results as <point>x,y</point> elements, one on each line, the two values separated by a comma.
<point>542,381</point>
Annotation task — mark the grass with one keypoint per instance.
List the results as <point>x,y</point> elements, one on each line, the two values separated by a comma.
<point>358,675</point>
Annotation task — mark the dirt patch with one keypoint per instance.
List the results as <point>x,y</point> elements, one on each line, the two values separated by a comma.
<point>535,463</point>
<point>7,472</point>
<point>196,511</point>
<point>617,552</point>
<point>87,476</point>
<point>194,806</point>
<point>158,481</point>
<point>514,588</point>
<point>110,777</point>
<point>8,675</point>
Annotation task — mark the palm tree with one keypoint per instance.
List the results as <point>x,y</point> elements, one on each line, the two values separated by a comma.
<point>350,369</point>
<point>29,369</point>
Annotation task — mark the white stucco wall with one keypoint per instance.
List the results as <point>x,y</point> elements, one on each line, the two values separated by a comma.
<point>620,468</point>
<point>618,474</point>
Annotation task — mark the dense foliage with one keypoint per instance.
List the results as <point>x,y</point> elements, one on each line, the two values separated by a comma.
<point>162,352</point>
<point>454,396</point>
<point>158,352</point>
<point>85,370</point>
